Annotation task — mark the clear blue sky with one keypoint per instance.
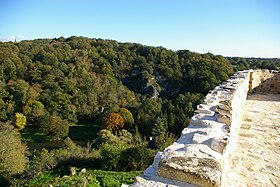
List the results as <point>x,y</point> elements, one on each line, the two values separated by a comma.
<point>227,27</point>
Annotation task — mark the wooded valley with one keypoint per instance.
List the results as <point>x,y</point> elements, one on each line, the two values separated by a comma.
<point>121,101</point>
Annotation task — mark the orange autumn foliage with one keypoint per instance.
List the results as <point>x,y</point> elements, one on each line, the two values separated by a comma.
<point>114,122</point>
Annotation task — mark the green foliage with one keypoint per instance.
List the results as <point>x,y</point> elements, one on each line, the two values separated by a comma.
<point>128,118</point>
<point>123,151</point>
<point>254,63</point>
<point>178,111</point>
<point>92,178</point>
<point>57,127</point>
<point>136,158</point>
<point>149,111</point>
<point>69,155</point>
<point>34,110</point>
<point>137,139</point>
<point>164,140</point>
<point>51,178</point>
<point>105,135</point>
<point>42,161</point>
<point>31,134</point>
<point>12,155</point>
<point>160,126</point>
<point>204,72</point>
<point>125,136</point>
<point>83,80</point>
<point>115,179</point>
<point>111,155</point>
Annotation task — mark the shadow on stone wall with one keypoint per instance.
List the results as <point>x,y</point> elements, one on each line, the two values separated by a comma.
<point>263,97</point>
<point>268,86</point>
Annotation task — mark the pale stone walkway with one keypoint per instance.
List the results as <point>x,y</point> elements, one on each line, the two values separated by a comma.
<point>256,160</point>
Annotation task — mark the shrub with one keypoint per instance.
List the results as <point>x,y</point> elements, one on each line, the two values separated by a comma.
<point>164,140</point>
<point>69,155</point>
<point>136,158</point>
<point>125,136</point>
<point>57,127</point>
<point>105,135</point>
<point>128,118</point>
<point>111,155</point>
<point>42,161</point>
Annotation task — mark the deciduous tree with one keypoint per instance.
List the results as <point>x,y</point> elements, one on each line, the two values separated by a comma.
<point>114,122</point>
<point>20,121</point>
<point>12,152</point>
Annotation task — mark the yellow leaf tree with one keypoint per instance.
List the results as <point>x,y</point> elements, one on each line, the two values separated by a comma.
<point>20,121</point>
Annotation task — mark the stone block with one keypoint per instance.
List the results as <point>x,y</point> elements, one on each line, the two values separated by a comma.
<point>218,144</point>
<point>199,138</point>
<point>224,107</point>
<point>193,170</point>
<point>224,118</point>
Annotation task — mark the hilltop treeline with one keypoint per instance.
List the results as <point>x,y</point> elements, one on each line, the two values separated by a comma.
<point>254,63</point>
<point>52,83</point>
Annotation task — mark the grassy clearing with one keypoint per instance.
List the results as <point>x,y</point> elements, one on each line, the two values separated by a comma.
<point>31,134</point>
<point>92,178</point>
<point>113,178</point>
<point>77,132</point>
<point>83,132</point>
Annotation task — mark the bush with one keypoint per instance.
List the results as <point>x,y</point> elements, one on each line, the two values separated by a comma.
<point>108,136</point>
<point>136,158</point>
<point>128,118</point>
<point>164,140</point>
<point>42,161</point>
<point>70,155</point>
<point>57,127</point>
<point>105,135</point>
<point>111,155</point>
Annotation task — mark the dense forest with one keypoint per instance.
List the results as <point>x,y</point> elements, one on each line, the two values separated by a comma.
<point>254,63</point>
<point>127,100</point>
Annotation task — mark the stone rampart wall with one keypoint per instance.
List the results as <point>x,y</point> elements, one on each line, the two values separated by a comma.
<point>200,156</point>
<point>264,81</point>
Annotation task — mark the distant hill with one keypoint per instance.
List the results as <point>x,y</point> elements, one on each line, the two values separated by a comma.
<point>254,63</point>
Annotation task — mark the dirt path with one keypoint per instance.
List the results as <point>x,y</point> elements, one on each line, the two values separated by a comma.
<point>256,160</point>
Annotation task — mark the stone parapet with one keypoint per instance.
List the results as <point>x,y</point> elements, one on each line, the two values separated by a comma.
<point>265,81</point>
<point>200,157</point>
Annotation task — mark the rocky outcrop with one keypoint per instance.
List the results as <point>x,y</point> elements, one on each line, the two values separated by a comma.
<point>200,157</point>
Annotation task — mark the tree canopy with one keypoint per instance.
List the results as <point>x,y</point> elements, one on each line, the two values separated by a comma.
<point>54,82</point>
